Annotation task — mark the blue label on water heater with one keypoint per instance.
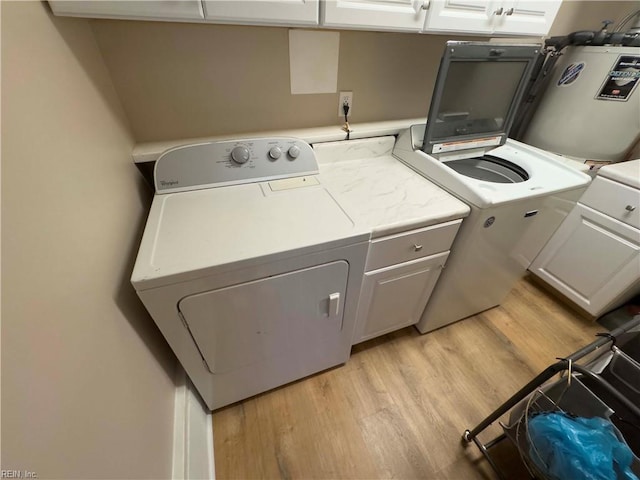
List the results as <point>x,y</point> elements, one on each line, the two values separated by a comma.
<point>621,80</point>
<point>571,74</point>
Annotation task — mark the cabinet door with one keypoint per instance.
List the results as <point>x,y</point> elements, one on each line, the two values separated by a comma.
<point>375,14</point>
<point>462,15</point>
<point>146,10</point>
<point>526,17</point>
<point>591,259</point>
<point>267,12</point>
<point>394,297</point>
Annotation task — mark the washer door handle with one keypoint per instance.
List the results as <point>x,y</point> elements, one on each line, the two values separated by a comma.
<point>334,304</point>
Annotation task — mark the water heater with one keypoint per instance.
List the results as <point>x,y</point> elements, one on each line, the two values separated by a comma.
<point>591,108</point>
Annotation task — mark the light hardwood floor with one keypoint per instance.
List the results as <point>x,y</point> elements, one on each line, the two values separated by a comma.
<point>398,408</point>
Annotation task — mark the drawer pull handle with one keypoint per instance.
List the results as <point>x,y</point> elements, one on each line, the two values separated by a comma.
<point>417,248</point>
<point>629,208</point>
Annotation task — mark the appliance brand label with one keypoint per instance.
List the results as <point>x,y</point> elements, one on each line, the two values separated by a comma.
<point>168,183</point>
<point>571,74</point>
<point>622,80</point>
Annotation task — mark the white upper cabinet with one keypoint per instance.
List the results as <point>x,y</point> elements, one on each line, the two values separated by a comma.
<point>499,17</point>
<point>478,17</point>
<point>532,17</point>
<point>408,15</point>
<point>263,12</point>
<point>460,15</point>
<point>185,10</point>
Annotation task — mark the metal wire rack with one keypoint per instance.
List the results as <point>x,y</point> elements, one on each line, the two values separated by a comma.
<point>599,380</point>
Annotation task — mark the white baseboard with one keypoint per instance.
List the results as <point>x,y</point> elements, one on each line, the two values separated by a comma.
<point>192,434</point>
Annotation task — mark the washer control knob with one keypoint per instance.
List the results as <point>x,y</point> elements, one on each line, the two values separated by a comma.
<point>294,152</point>
<point>240,154</point>
<point>275,153</point>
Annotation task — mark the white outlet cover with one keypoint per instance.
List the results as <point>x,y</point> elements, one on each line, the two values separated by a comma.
<point>313,61</point>
<point>342,95</point>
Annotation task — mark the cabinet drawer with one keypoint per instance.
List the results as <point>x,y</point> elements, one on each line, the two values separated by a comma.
<point>411,245</point>
<point>614,199</point>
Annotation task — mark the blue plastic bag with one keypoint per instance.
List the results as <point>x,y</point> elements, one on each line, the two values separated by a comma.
<point>567,447</point>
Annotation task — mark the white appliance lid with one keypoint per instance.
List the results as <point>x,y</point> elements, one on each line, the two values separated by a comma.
<point>476,95</point>
<point>192,234</point>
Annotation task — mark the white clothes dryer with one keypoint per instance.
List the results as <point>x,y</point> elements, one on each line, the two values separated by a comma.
<point>249,266</point>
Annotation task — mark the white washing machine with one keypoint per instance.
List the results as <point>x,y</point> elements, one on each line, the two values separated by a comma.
<point>249,266</point>
<point>518,194</point>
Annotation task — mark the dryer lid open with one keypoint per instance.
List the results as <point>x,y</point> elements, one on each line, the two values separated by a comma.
<point>476,96</point>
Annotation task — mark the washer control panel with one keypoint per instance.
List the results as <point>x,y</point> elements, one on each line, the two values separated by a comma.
<point>233,162</point>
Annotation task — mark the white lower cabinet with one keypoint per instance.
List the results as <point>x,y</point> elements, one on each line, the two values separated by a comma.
<point>592,259</point>
<point>394,297</point>
<point>402,271</point>
<point>594,256</point>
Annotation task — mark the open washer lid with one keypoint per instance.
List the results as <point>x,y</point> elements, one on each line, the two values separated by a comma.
<point>476,96</point>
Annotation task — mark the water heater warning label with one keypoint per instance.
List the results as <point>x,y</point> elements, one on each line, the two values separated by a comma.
<point>621,80</point>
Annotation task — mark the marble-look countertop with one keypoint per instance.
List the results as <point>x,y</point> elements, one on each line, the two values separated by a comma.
<point>627,173</point>
<point>378,191</point>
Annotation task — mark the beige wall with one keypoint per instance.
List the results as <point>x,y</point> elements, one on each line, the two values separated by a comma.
<point>186,80</point>
<point>180,80</point>
<point>87,382</point>
<point>577,15</point>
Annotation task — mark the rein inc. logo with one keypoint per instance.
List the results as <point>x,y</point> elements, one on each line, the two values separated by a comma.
<point>18,474</point>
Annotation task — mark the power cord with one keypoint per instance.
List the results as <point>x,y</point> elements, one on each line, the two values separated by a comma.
<point>346,127</point>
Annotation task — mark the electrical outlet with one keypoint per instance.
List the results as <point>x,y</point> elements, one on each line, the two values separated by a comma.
<point>345,97</point>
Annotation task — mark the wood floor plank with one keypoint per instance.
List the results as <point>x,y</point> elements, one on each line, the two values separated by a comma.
<point>541,327</point>
<point>398,408</point>
<point>400,454</point>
